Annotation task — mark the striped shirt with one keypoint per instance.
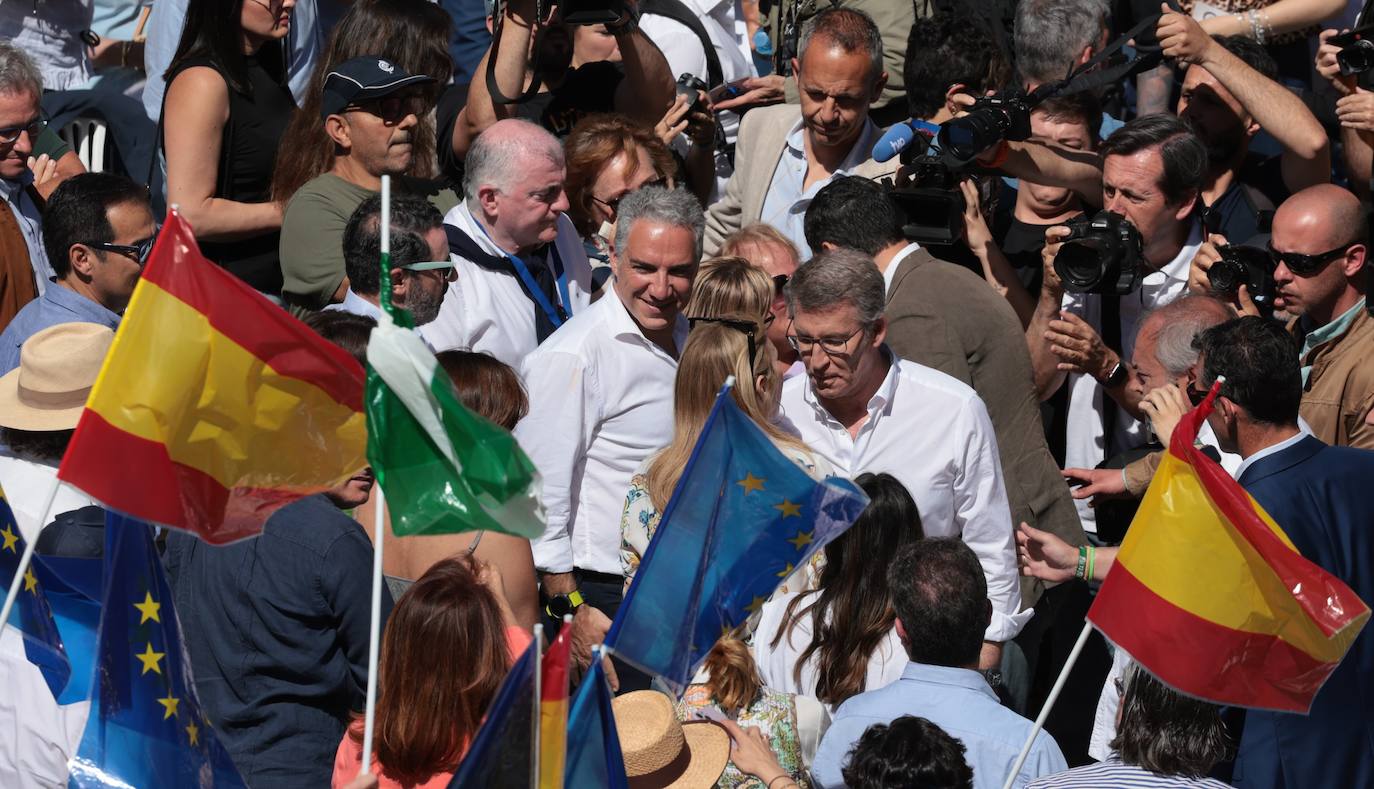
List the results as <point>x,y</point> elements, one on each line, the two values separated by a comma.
<point>1119,775</point>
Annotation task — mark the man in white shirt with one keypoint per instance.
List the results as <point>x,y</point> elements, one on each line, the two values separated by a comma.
<point>601,402</point>
<point>863,409</point>
<point>522,270</point>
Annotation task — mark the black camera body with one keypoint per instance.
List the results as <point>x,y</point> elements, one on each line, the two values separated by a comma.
<point>591,12</point>
<point>1102,254</point>
<point>1243,265</point>
<point>930,200</point>
<point>1356,55</point>
<point>991,119</point>
<point>689,83</point>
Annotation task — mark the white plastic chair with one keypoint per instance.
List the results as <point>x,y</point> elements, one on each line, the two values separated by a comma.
<point>87,136</point>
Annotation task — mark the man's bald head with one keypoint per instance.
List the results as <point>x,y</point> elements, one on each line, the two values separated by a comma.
<point>1327,224</point>
<point>502,153</point>
<point>1164,350</point>
<point>1321,217</point>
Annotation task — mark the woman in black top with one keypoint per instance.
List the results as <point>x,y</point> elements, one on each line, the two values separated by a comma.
<point>223,116</point>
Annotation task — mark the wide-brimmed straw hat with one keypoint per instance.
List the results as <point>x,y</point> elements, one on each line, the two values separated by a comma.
<point>662,753</point>
<point>57,368</point>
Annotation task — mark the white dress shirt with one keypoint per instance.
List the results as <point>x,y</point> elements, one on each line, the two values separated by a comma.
<point>29,218</point>
<point>892,265</point>
<point>1083,440</point>
<point>932,433</point>
<point>353,304</point>
<point>601,401</point>
<point>785,205</point>
<point>486,311</point>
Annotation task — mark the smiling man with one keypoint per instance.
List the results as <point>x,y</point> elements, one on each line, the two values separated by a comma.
<point>601,402</point>
<point>787,152</point>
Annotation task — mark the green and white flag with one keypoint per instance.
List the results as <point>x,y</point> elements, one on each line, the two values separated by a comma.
<point>444,469</point>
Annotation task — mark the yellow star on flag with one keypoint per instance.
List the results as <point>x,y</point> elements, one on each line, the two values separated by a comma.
<point>753,607</point>
<point>802,539</point>
<point>11,539</point>
<point>148,609</point>
<point>30,581</point>
<point>170,704</point>
<point>150,659</point>
<point>751,483</point>
<point>193,732</point>
<point>786,571</point>
<point>788,509</point>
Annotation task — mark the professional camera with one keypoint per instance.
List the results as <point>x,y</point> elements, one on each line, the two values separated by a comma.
<point>689,84</point>
<point>1101,255</point>
<point>992,119</point>
<point>1242,265</point>
<point>930,199</point>
<point>1357,52</point>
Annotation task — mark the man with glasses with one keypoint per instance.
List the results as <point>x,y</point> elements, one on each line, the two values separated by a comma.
<point>522,268</point>
<point>864,409</point>
<point>370,110</point>
<point>98,230</point>
<point>1319,248</point>
<point>24,269</point>
<point>420,267</point>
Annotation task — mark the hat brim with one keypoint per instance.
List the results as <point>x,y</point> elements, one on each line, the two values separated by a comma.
<point>18,415</point>
<point>709,744</point>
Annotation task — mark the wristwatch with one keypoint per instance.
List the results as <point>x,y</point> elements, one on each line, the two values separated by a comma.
<point>993,677</point>
<point>1117,376</point>
<point>561,605</point>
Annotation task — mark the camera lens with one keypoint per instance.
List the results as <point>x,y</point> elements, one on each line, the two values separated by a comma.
<point>1079,264</point>
<point>1356,58</point>
<point>1225,276</point>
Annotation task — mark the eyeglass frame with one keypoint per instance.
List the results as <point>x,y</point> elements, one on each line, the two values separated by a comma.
<point>416,105</point>
<point>433,265</point>
<point>35,127</point>
<point>1308,265</point>
<point>779,282</point>
<point>138,253</point>
<point>749,329</point>
<point>796,341</point>
<point>614,203</point>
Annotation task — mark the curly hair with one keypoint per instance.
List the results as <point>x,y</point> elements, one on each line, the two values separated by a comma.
<point>907,752</point>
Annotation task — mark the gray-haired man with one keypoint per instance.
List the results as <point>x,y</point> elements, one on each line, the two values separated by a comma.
<point>863,409</point>
<point>601,402</point>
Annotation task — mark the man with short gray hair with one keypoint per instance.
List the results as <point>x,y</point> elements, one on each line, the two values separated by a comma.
<point>865,410</point>
<point>522,270</point>
<point>601,402</point>
<point>24,269</point>
<point>1053,36</point>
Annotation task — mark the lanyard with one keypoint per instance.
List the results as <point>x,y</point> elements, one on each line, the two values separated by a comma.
<point>532,286</point>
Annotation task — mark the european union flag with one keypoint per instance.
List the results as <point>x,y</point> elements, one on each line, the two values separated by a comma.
<point>742,518</point>
<point>500,754</point>
<point>593,758</point>
<point>146,726</point>
<point>31,615</point>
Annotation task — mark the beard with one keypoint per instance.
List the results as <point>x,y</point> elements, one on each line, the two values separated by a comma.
<point>423,304</point>
<point>1222,147</point>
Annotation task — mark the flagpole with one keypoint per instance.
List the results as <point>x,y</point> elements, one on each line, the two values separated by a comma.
<point>26,558</point>
<point>379,521</point>
<point>1049,703</point>
<point>537,720</point>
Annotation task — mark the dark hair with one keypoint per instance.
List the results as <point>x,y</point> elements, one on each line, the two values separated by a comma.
<point>852,612</point>
<point>212,30</point>
<point>413,34</point>
<point>1184,155</point>
<point>486,385</point>
<point>346,330</point>
<point>1252,53</point>
<point>853,213</point>
<point>1166,732</point>
<point>1083,106</point>
<point>43,446</point>
<point>945,49</point>
<point>78,212</point>
<point>411,218</point>
<point>908,752</point>
<point>427,713</point>
<point>1259,359</point>
<point>941,598</point>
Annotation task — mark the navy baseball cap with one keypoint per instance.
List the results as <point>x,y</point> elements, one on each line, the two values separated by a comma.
<point>363,78</point>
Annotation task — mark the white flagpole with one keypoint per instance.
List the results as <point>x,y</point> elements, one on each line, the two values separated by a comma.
<point>26,558</point>
<point>1049,703</point>
<point>537,720</point>
<point>379,525</point>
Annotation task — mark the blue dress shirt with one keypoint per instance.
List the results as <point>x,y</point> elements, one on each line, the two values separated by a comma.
<point>957,700</point>
<point>58,304</point>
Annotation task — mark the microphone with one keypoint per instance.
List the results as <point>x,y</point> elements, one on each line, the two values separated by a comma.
<point>896,139</point>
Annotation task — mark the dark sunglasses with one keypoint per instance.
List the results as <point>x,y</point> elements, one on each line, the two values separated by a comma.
<point>1306,265</point>
<point>391,109</point>
<point>779,282</point>
<point>136,252</point>
<point>1196,397</point>
<point>747,328</point>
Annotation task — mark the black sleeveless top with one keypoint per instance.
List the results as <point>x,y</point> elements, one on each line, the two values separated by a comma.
<point>248,154</point>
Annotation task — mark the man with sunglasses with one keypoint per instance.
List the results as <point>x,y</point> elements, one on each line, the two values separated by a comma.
<point>98,230</point>
<point>420,267</point>
<point>370,110</point>
<point>24,268</point>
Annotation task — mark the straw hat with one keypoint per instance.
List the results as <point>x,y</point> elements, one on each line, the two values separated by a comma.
<point>660,752</point>
<point>57,368</point>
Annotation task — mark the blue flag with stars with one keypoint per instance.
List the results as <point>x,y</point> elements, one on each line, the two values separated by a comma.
<point>31,615</point>
<point>593,757</point>
<point>742,518</point>
<point>146,726</point>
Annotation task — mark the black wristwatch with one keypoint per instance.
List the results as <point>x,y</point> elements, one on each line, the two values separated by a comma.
<point>1117,376</point>
<point>993,677</point>
<point>561,605</point>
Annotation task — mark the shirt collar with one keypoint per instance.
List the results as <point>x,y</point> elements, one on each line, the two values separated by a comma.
<point>624,327</point>
<point>1331,330</point>
<point>858,154</point>
<point>70,300</point>
<point>12,190</point>
<point>965,678</point>
<point>896,262</point>
<point>1269,450</point>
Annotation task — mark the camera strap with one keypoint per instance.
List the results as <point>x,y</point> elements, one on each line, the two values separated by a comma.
<point>1085,78</point>
<point>1111,337</point>
<point>498,14</point>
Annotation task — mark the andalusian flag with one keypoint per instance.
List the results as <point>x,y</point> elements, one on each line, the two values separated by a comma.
<point>1211,597</point>
<point>214,407</point>
<point>443,468</point>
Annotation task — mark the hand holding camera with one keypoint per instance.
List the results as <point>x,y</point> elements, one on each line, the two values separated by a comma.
<point>1239,275</point>
<point>1103,254</point>
<point>1182,39</point>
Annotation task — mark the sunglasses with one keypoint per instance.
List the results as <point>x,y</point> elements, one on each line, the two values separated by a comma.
<point>779,282</point>
<point>1306,265</point>
<point>11,134</point>
<point>747,328</point>
<point>450,271</point>
<point>613,204</point>
<point>136,252</point>
<point>392,109</point>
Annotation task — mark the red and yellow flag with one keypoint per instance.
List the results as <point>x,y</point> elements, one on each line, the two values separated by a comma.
<point>1211,597</point>
<point>214,407</point>
<point>553,710</point>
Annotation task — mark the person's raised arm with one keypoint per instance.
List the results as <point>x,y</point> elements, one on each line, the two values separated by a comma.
<point>196,110</point>
<point>647,90</point>
<point>511,70</point>
<point>1306,156</point>
<point>1284,16</point>
<point>1044,364</point>
<point>1052,165</point>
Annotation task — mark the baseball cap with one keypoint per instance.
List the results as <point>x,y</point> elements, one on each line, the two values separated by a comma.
<point>363,78</point>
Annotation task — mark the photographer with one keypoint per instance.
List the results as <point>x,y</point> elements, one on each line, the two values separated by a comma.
<point>1354,110</point>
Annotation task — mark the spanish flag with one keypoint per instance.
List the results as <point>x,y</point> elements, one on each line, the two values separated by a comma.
<point>1211,597</point>
<point>553,709</point>
<point>214,407</point>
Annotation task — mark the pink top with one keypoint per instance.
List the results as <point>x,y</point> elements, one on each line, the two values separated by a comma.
<point>348,761</point>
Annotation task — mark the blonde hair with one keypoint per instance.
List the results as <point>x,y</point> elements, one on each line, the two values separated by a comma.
<point>755,235</point>
<point>734,681</point>
<point>731,286</point>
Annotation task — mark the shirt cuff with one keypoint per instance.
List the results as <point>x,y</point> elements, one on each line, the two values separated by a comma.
<point>1005,627</point>
<point>553,555</point>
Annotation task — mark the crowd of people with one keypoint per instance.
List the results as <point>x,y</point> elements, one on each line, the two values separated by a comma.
<point>595,221</point>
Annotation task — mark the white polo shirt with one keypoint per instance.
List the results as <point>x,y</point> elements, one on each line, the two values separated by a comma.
<point>601,401</point>
<point>932,433</point>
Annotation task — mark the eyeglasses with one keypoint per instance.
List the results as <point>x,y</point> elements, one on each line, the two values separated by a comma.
<point>450,271</point>
<point>1195,397</point>
<point>779,282</point>
<point>392,109</point>
<point>136,252</point>
<point>614,203</point>
<point>748,328</point>
<point>35,127</point>
<point>1306,265</point>
<point>831,345</point>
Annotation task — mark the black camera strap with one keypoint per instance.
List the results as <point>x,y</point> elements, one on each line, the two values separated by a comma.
<point>1085,78</point>
<point>1111,337</point>
<point>498,16</point>
<point>677,11</point>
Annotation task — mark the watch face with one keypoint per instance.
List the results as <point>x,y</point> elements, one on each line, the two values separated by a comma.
<point>560,606</point>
